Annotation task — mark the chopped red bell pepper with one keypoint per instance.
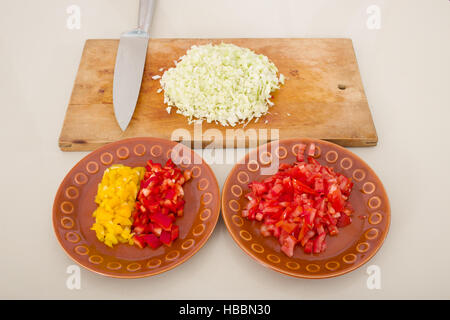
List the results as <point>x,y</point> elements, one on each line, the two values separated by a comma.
<point>152,240</point>
<point>159,202</point>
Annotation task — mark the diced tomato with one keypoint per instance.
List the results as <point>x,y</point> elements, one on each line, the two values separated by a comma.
<point>343,221</point>
<point>276,190</point>
<point>333,230</point>
<point>308,235</point>
<point>265,230</point>
<point>312,149</point>
<point>258,188</point>
<point>320,229</point>
<point>298,211</point>
<point>288,246</point>
<point>301,152</point>
<point>308,247</point>
<point>301,203</point>
<point>319,185</point>
<point>310,215</point>
<point>303,230</point>
<point>301,187</point>
<point>318,242</point>
<point>288,227</point>
<point>187,174</point>
<point>335,197</point>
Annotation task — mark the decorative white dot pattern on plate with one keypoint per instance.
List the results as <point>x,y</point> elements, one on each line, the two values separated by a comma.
<point>133,267</point>
<point>362,247</point>
<point>154,263</point>
<point>273,258</point>
<point>257,248</point>
<point>243,177</point>
<point>346,163</point>
<point>92,167</point>
<point>80,178</point>
<point>236,190</point>
<point>196,171</point>
<point>172,255</point>
<point>203,184</point>
<point>114,265</point>
<point>67,223</point>
<point>198,230</point>
<point>106,158</point>
<point>95,259</point>
<point>313,268</point>
<point>156,151</point>
<point>72,237</point>
<point>72,193</point>
<point>331,156</point>
<point>253,166</point>
<point>67,207</point>
<point>292,265</point>
<point>375,218</point>
<point>205,214</point>
<point>123,153</point>
<point>139,150</point>
<point>349,258</point>
<point>187,244</point>
<point>332,265</point>
<point>234,205</point>
<point>265,158</point>
<point>206,198</point>
<point>281,152</point>
<point>245,235</point>
<point>374,202</point>
<point>368,187</point>
<point>82,250</point>
<point>359,175</point>
<point>371,234</point>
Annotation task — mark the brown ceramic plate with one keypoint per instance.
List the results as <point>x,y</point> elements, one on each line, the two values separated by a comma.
<point>353,246</point>
<point>74,205</point>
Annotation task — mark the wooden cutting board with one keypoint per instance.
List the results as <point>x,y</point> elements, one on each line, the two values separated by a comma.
<point>323,96</point>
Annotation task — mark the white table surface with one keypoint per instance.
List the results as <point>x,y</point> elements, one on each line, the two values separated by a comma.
<point>405,68</point>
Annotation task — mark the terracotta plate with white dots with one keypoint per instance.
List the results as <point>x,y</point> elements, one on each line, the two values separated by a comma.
<point>352,247</point>
<point>74,205</point>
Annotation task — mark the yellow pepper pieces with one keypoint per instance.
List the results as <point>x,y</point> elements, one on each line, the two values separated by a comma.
<point>116,196</point>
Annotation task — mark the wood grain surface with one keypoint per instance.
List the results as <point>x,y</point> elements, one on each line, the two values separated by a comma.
<point>323,97</point>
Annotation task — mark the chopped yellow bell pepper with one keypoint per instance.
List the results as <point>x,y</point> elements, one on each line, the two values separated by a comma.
<point>116,197</point>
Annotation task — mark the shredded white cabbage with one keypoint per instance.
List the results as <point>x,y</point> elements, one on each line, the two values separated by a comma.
<point>221,83</point>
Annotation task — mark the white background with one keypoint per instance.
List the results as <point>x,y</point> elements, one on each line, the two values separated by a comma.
<point>405,68</point>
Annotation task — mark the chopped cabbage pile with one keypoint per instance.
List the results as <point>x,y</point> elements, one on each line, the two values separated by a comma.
<point>222,83</point>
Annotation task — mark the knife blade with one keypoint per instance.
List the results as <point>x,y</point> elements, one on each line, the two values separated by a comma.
<point>130,62</point>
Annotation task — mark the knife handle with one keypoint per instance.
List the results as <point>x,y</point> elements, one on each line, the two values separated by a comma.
<point>146,9</point>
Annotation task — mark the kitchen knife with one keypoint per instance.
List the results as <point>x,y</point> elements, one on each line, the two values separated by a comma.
<point>130,63</point>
